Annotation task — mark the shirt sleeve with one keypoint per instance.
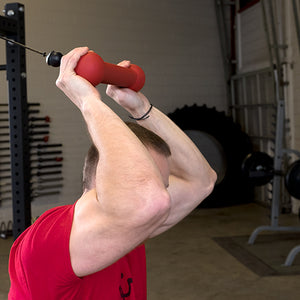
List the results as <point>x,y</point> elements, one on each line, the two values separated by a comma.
<point>44,255</point>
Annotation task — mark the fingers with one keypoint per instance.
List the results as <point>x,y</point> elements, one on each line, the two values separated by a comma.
<point>111,90</point>
<point>69,63</point>
<point>117,93</point>
<point>71,59</point>
<point>124,63</point>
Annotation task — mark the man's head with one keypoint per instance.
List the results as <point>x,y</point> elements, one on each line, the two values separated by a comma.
<point>157,147</point>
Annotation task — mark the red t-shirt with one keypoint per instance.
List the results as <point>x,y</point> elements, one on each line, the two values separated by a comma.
<point>40,266</point>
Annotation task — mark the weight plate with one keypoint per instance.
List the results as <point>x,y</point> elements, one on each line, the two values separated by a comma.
<point>292,179</point>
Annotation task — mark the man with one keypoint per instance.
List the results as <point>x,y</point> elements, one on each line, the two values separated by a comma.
<point>94,248</point>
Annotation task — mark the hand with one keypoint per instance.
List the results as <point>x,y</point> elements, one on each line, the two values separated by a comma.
<point>76,88</point>
<point>135,103</point>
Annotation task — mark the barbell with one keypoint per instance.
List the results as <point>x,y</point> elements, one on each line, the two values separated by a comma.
<point>258,168</point>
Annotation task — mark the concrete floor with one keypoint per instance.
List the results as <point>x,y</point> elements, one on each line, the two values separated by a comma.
<point>186,263</point>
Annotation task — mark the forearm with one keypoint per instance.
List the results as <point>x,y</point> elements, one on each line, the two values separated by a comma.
<point>186,161</point>
<point>192,179</point>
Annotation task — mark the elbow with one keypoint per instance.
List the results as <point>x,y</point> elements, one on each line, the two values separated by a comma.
<point>162,205</point>
<point>165,203</point>
<point>157,209</point>
<point>208,186</point>
<point>212,181</point>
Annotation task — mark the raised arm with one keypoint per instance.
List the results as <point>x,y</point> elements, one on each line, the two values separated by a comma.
<point>130,200</point>
<point>192,179</point>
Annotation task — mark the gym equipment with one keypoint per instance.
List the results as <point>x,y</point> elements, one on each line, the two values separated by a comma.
<point>38,174</point>
<point>241,82</point>
<point>34,119</point>
<point>42,153</point>
<point>5,230</point>
<point>39,146</point>
<point>30,126</point>
<point>292,179</point>
<point>32,132</point>
<point>229,140</point>
<point>257,167</point>
<point>33,111</point>
<point>92,67</point>
<point>39,160</point>
<point>39,125</point>
<point>244,168</point>
<point>47,187</point>
<point>44,139</point>
<point>56,158</point>
<point>39,167</point>
<point>12,27</point>
<point>41,180</point>
<point>39,194</point>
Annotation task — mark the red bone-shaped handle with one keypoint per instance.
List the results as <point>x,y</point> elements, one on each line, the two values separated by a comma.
<point>92,67</point>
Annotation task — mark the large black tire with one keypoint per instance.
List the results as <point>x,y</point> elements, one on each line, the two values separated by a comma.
<point>234,188</point>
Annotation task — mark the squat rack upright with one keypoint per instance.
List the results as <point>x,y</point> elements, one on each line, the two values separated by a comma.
<point>12,26</point>
<point>276,63</point>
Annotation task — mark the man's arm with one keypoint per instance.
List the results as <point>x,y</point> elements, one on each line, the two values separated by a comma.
<point>130,200</point>
<point>191,179</point>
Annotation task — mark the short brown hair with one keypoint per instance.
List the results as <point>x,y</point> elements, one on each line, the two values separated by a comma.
<point>150,139</point>
<point>146,136</point>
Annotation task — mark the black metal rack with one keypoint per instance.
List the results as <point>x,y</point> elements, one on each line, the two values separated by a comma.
<point>12,26</point>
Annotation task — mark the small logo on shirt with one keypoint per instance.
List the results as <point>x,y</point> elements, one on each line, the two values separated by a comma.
<point>123,293</point>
